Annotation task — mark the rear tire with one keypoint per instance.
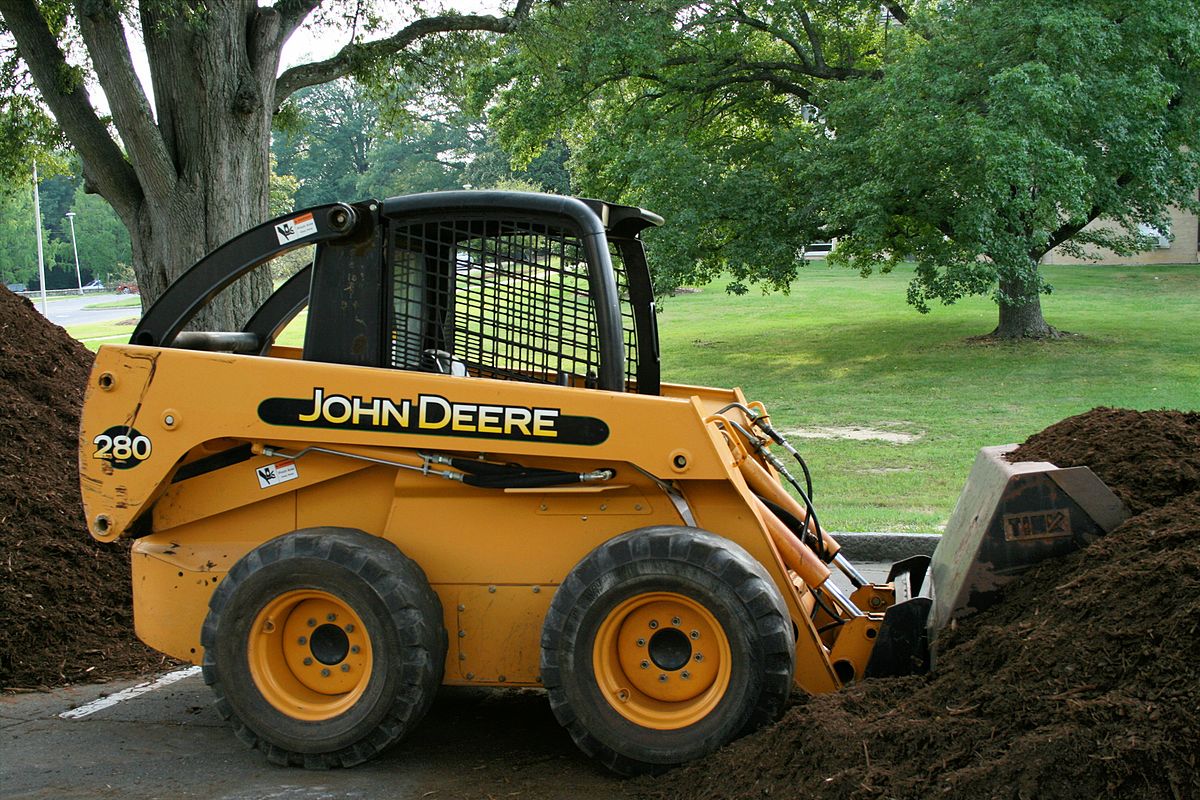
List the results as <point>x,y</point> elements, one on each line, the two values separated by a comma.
<point>664,644</point>
<point>323,647</point>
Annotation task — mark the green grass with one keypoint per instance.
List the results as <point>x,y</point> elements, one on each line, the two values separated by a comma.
<point>844,351</point>
<point>94,334</point>
<point>124,302</point>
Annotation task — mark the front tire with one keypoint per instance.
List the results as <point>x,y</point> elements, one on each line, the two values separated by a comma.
<point>323,647</point>
<point>664,644</point>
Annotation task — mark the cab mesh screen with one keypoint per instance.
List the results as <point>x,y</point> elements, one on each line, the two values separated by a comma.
<point>492,298</point>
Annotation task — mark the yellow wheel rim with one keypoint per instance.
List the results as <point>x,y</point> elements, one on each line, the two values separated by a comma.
<point>662,660</point>
<point>309,654</point>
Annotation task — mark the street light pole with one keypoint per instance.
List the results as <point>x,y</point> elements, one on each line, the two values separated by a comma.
<point>37,218</point>
<point>78,280</point>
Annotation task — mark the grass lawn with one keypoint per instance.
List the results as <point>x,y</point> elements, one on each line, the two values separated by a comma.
<point>94,334</point>
<point>125,302</point>
<point>844,352</point>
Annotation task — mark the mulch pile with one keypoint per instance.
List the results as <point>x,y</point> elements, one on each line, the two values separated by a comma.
<point>1083,682</point>
<point>65,599</point>
<point>1147,458</point>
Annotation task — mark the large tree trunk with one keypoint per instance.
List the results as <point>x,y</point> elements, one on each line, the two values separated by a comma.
<point>213,84</point>
<point>1023,321</point>
<point>1020,304</point>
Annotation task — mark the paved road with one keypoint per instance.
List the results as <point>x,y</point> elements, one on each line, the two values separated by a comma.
<point>72,310</point>
<point>170,743</point>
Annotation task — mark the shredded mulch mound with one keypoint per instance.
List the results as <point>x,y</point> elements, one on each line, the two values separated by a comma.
<point>1146,457</point>
<point>65,599</point>
<point>1083,682</point>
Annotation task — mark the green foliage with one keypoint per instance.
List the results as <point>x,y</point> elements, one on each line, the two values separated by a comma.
<point>18,247</point>
<point>104,248</point>
<point>283,190</point>
<point>339,143</point>
<point>971,139</point>
<point>103,242</point>
<point>1015,125</point>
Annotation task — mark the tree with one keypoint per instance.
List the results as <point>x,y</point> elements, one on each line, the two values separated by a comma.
<point>1017,124</point>
<point>327,140</point>
<point>340,142</point>
<point>191,171</point>
<point>18,248</point>
<point>969,136</point>
<point>104,248</point>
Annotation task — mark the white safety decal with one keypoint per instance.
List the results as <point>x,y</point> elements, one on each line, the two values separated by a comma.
<point>298,228</point>
<point>274,474</point>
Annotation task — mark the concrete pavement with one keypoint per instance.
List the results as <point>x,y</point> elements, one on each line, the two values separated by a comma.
<point>73,310</point>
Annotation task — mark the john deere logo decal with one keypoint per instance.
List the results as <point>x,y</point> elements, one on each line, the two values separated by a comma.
<point>433,415</point>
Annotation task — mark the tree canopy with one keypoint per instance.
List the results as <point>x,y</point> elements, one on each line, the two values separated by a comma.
<point>102,241</point>
<point>971,137</point>
<point>185,166</point>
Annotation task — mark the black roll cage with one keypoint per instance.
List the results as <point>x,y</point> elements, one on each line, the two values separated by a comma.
<point>359,229</point>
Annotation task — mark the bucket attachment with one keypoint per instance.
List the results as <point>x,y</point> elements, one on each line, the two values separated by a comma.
<point>1008,518</point>
<point>902,647</point>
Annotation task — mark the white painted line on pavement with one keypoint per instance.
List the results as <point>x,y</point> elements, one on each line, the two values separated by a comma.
<point>128,694</point>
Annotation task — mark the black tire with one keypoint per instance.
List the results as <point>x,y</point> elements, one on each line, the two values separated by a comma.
<point>393,660</point>
<point>600,598</point>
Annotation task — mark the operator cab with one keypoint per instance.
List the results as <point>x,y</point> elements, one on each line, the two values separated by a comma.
<point>503,285</point>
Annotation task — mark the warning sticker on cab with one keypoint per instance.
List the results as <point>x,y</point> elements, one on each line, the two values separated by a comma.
<point>277,473</point>
<point>297,228</point>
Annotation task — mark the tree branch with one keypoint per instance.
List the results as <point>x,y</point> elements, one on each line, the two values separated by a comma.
<point>814,40</point>
<point>100,25</point>
<point>292,14</point>
<point>354,54</point>
<point>1066,231</point>
<point>63,93</point>
<point>897,11</point>
<point>780,34</point>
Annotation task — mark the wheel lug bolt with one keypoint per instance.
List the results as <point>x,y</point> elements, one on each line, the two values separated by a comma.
<point>303,640</point>
<point>354,648</point>
<point>695,634</point>
<point>641,642</point>
<point>645,665</point>
<point>331,617</point>
<point>699,656</point>
<point>685,674</point>
<point>308,662</point>
<point>312,623</point>
<point>622,695</point>
<point>350,628</point>
<point>653,624</point>
<point>674,620</point>
<point>345,667</point>
<point>662,678</point>
<point>325,673</point>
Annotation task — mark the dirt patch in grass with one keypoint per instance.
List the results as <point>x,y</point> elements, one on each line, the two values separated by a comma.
<point>1083,682</point>
<point>854,433</point>
<point>65,599</point>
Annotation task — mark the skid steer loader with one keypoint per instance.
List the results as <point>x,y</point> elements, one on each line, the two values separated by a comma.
<point>471,474</point>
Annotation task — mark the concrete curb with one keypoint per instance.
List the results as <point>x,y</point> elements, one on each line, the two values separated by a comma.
<point>886,547</point>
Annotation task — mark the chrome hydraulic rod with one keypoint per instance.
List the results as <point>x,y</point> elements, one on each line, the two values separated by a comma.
<point>849,571</point>
<point>844,602</point>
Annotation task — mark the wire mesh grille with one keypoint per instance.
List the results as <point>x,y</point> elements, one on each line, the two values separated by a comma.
<point>498,298</point>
